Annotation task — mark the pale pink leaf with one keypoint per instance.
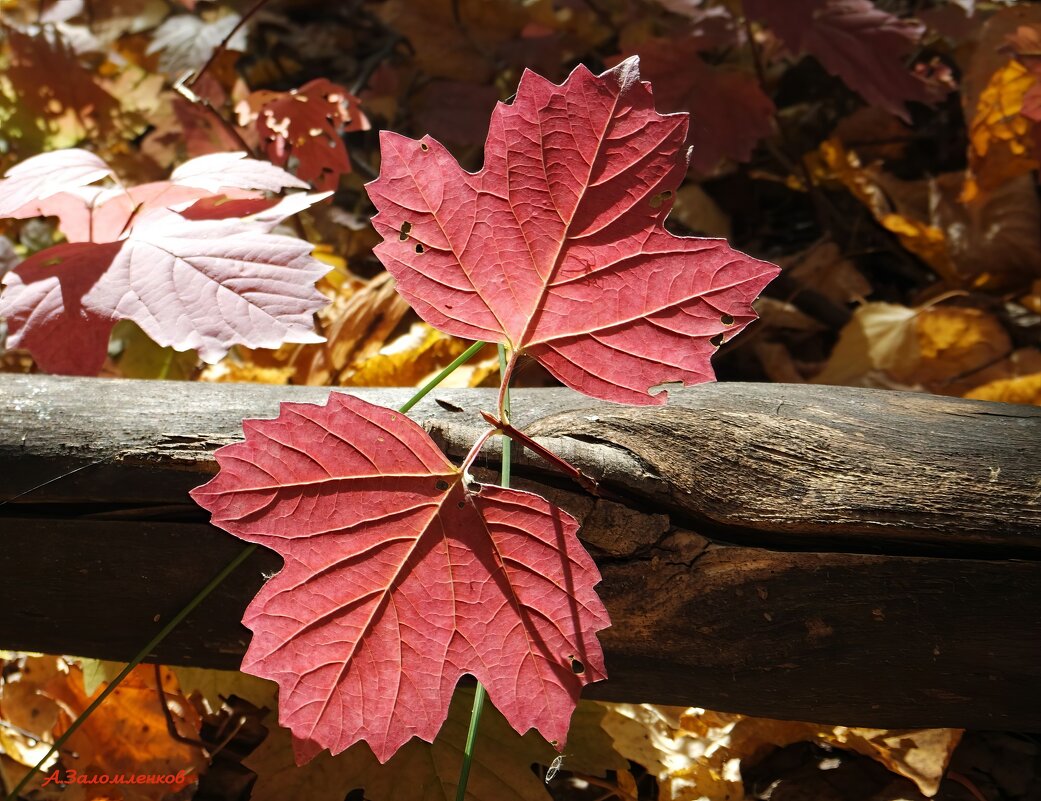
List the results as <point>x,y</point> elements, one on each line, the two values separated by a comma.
<point>42,176</point>
<point>207,285</point>
<point>399,579</point>
<point>557,247</point>
<point>217,172</point>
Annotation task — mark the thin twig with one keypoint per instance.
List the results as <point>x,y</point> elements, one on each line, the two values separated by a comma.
<point>259,4</point>
<point>789,142</point>
<point>372,63</point>
<point>189,95</point>
<point>967,783</point>
<point>606,785</point>
<point>171,724</point>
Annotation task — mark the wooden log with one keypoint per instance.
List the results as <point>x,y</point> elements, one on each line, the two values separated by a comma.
<point>838,555</point>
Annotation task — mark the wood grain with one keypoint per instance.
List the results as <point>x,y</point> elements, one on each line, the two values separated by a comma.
<point>843,556</point>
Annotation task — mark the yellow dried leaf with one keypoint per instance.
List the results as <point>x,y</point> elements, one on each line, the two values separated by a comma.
<point>697,754</point>
<point>140,357</point>
<point>1024,389</point>
<point>888,345</point>
<point>1001,144</point>
<point>415,357</point>
<point>880,337</point>
<point>920,755</point>
<point>231,371</point>
<point>835,162</point>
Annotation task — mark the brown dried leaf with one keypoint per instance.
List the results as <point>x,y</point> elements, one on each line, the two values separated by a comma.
<point>729,114</point>
<point>824,269</point>
<point>456,40</point>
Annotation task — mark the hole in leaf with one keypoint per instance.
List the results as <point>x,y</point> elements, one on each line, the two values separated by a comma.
<point>660,198</point>
<point>726,319</point>
<point>419,248</point>
<point>441,484</point>
<point>576,666</point>
<point>424,146</point>
<point>461,504</point>
<point>403,231</point>
<point>666,386</point>
<point>717,340</point>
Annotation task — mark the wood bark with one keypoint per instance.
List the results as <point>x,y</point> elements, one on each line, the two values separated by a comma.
<point>838,555</point>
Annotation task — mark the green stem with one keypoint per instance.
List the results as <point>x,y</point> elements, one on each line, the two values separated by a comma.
<point>464,357</point>
<point>471,739</point>
<point>507,443</point>
<point>202,595</point>
<point>479,694</point>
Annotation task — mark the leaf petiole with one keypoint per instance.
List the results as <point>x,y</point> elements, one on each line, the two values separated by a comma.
<point>505,370</point>
<point>217,580</point>
<point>462,359</point>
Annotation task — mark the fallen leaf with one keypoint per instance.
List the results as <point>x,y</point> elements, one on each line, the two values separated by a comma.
<point>455,111</point>
<point>696,209</point>
<point>921,237</point>
<point>304,127</point>
<point>824,269</point>
<point>557,247</point>
<point>128,733</point>
<point>491,582</point>
<point>729,114</point>
<point>216,685</point>
<point>865,46</point>
<point>696,753</point>
<point>886,344</point>
<point>456,40</point>
<point>185,42</point>
<point>418,772</point>
<point>140,357</point>
<point>920,755</point>
<point>1001,139</point>
<point>67,111</point>
<point>407,361</point>
<point>1023,389</point>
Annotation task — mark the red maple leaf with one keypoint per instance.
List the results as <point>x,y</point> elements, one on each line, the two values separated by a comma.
<point>400,578</point>
<point>303,129</point>
<point>855,40</point>
<point>557,247</point>
<point>207,279</point>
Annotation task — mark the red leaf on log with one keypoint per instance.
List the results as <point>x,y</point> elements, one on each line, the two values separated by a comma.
<point>400,578</point>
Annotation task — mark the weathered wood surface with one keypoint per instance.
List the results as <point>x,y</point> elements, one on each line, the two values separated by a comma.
<point>845,556</point>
